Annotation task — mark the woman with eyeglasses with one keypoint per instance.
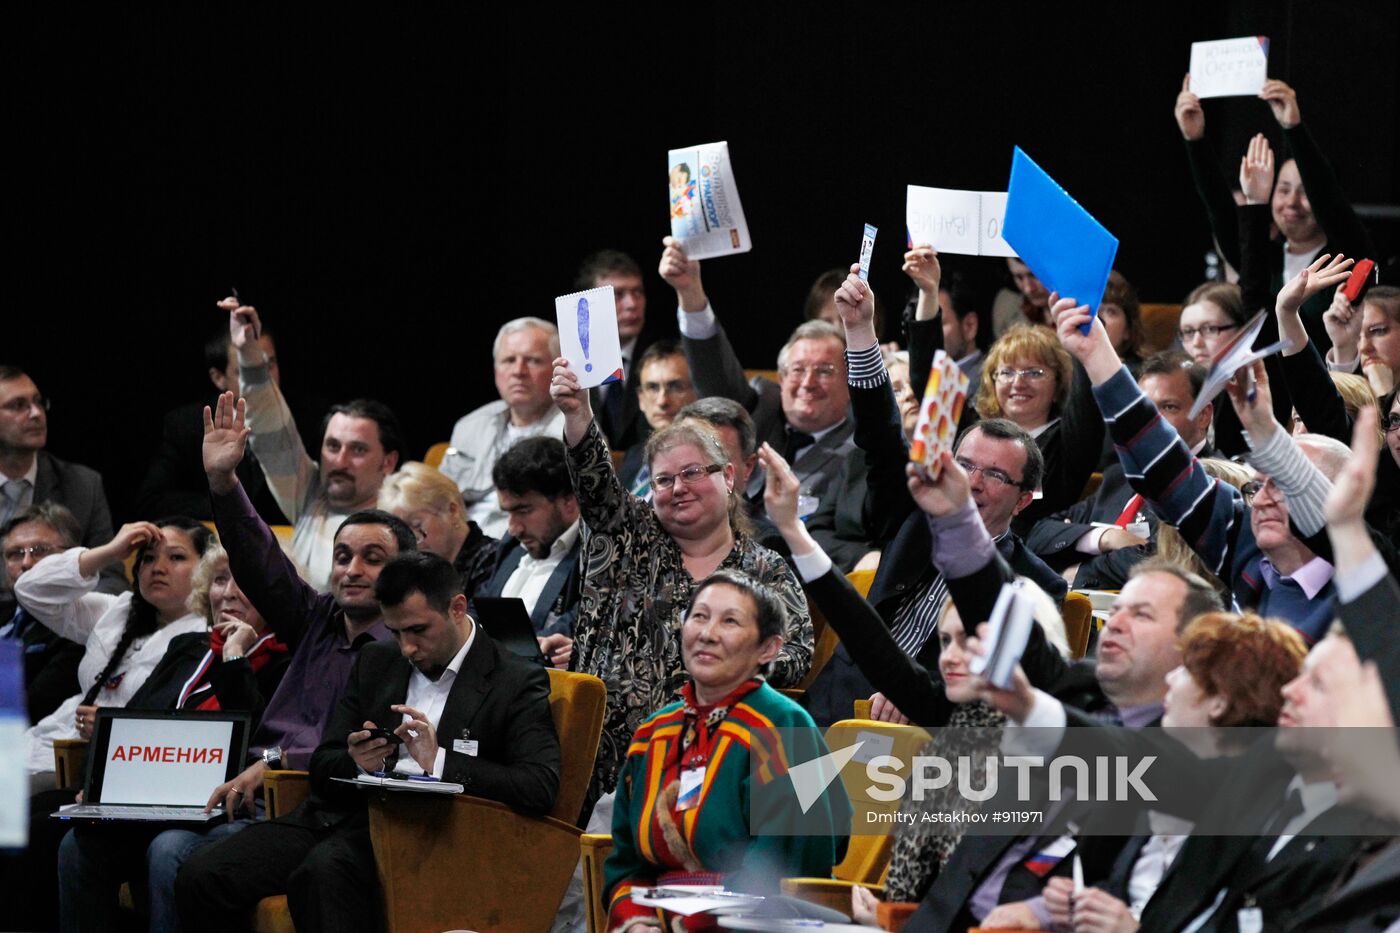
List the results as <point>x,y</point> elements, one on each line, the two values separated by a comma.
<point>643,561</point>
<point>1030,379</point>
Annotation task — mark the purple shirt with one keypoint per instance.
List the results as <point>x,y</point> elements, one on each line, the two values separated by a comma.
<point>310,623</point>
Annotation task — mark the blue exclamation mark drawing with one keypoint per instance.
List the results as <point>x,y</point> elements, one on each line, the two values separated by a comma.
<point>583,332</point>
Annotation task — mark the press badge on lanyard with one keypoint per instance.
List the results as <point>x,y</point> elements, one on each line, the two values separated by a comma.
<point>691,779</point>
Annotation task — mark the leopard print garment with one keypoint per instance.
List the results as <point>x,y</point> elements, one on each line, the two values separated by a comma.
<point>921,850</point>
<point>635,593</point>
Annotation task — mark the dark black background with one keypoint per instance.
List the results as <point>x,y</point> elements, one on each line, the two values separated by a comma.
<point>389,188</point>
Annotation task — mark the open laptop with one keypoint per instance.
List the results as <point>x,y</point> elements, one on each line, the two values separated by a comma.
<point>504,618</point>
<point>159,765</point>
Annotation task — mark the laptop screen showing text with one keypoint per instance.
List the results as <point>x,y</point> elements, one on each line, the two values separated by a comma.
<point>170,762</point>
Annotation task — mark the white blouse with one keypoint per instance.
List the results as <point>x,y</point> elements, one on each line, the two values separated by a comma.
<point>56,593</point>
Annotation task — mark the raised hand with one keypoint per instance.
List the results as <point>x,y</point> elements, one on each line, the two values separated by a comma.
<point>225,435</point>
<point>1094,350</point>
<point>682,274</point>
<point>1354,483</point>
<point>1257,171</point>
<point>1254,406</point>
<point>244,328</point>
<point>1190,118</point>
<point>855,302</point>
<point>1342,322</point>
<point>572,400</point>
<point>921,265</point>
<point>943,496</point>
<point>1324,272</point>
<point>1283,101</point>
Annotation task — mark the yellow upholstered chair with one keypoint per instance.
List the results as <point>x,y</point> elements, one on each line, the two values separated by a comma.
<point>867,855</point>
<point>69,762</point>
<point>283,792</point>
<point>861,580</point>
<point>433,457</point>
<point>427,847</point>
<point>1078,615</point>
<point>1091,486</point>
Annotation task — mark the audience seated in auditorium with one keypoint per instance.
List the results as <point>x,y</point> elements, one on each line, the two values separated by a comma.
<point>360,445</point>
<point>443,680</point>
<point>642,562</point>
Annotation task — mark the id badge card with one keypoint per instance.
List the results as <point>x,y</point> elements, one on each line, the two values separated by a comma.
<point>807,506</point>
<point>465,746</point>
<point>1250,920</point>
<point>689,797</point>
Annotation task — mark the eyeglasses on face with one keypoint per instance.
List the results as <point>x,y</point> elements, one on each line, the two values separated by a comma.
<point>991,474</point>
<point>690,476</point>
<point>1008,376</point>
<point>1255,486</point>
<point>825,372</point>
<point>1205,330</point>
<point>1392,422</point>
<point>38,550</point>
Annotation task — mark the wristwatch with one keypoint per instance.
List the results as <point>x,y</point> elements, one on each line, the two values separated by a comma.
<point>272,757</point>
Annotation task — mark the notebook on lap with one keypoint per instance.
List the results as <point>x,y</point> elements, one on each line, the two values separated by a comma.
<point>159,765</point>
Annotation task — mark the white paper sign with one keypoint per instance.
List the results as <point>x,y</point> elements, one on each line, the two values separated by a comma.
<point>952,221</point>
<point>151,762</point>
<point>705,210</point>
<point>1229,67</point>
<point>588,335</point>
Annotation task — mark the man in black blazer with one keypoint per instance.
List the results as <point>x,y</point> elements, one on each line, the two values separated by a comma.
<point>1075,541</point>
<point>30,475</point>
<point>465,712</point>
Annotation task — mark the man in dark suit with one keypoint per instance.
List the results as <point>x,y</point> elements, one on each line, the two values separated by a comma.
<point>175,483</point>
<point>30,475</point>
<point>464,712</point>
<point>538,559</point>
<point>615,404</point>
<point>1091,542</point>
<point>805,418</point>
<point>50,662</point>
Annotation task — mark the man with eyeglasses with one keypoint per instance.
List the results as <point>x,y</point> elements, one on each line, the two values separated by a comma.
<point>663,390</point>
<point>1004,465</point>
<point>50,661</point>
<point>804,417</point>
<point>30,475</point>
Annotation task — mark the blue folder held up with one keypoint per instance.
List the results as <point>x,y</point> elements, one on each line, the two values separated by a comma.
<point>1067,249</point>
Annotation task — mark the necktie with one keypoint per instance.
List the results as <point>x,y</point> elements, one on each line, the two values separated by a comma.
<point>14,491</point>
<point>795,441</point>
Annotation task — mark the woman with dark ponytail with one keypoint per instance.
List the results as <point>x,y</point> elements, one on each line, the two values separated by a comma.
<point>125,636</point>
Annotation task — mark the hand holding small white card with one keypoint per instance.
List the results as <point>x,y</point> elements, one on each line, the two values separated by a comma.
<point>588,335</point>
<point>1008,630</point>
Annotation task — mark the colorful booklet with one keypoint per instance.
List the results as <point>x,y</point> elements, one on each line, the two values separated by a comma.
<point>939,415</point>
